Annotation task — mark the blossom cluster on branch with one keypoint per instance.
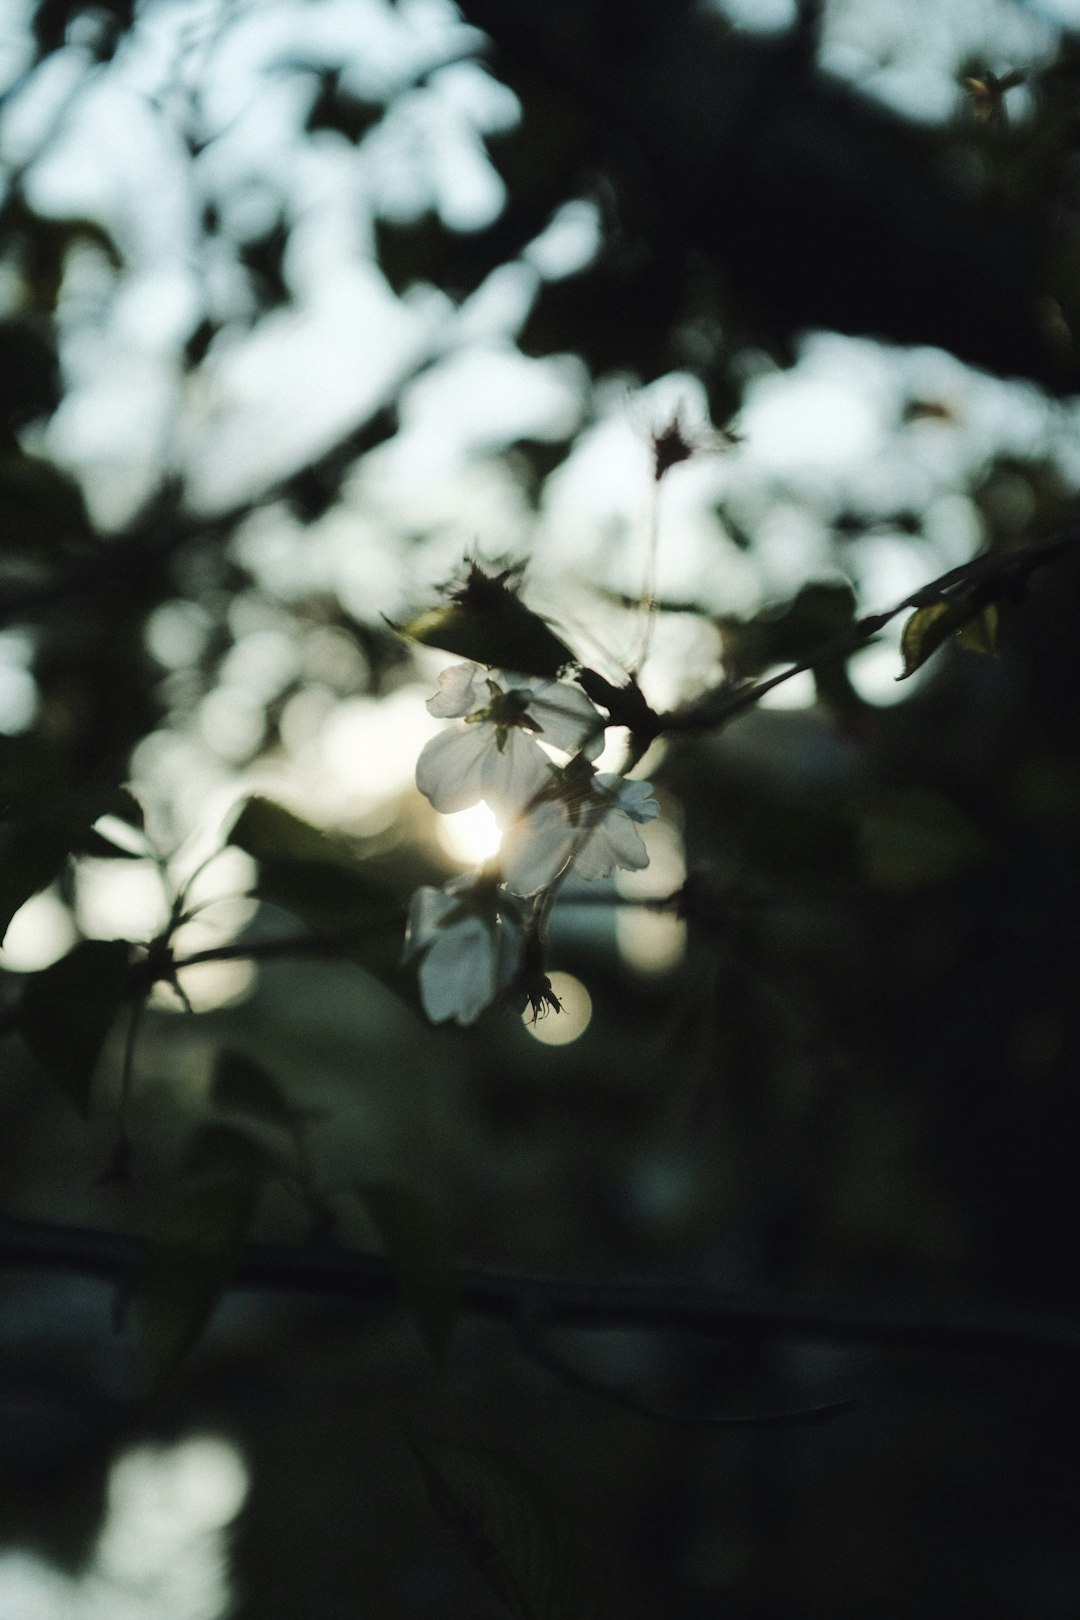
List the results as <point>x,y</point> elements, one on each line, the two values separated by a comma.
<point>527,749</point>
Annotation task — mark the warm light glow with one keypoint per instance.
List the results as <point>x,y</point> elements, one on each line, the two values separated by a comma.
<point>653,941</point>
<point>560,1028</point>
<point>471,836</point>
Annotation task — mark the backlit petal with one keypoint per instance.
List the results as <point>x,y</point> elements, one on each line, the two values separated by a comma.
<point>462,690</point>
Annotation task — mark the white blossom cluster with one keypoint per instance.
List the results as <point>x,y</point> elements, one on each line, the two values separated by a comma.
<point>473,936</point>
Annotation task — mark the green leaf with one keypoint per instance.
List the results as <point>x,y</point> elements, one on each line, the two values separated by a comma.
<point>199,1235</point>
<point>416,1245</point>
<point>924,633</point>
<point>509,1526</point>
<point>67,1010</point>
<point>979,635</point>
<point>488,623</point>
<point>974,626</point>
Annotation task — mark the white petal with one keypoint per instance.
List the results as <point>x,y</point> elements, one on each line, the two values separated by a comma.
<point>458,974</point>
<point>450,770</point>
<point>514,775</point>
<point>462,690</point>
<point>567,719</point>
<point>634,799</point>
<point>427,908</point>
<point>615,841</point>
<point>536,847</point>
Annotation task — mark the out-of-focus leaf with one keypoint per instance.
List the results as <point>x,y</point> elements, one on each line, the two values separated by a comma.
<point>30,857</point>
<point>198,1237</point>
<point>67,1010</point>
<point>42,512</point>
<point>242,1086</point>
<point>488,623</point>
<point>314,873</point>
<point>789,633</point>
<point>416,1245</point>
<point>913,838</point>
<point>271,832</point>
<point>44,827</point>
<point>510,1527</point>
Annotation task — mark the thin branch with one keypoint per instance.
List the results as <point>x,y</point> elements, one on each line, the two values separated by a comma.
<point>1008,570</point>
<point>328,1273</point>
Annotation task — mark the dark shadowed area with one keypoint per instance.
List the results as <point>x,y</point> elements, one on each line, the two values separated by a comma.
<point>622,1165</point>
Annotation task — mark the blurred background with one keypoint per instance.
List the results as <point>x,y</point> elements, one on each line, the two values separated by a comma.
<point>305,303</point>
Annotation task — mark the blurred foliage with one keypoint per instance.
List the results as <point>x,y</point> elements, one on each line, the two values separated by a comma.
<point>852,1074</point>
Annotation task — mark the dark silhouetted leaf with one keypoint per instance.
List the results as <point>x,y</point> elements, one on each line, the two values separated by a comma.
<point>199,1235</point>
<point>790,633</point>
<point>271,832</point>
<point>510,1527</point>
<point>30,857</point>
<point>67,1010</point>
<point>487,622</point>
<point>414,1239</point>
<point>314,873</point>
<point>46,826</point>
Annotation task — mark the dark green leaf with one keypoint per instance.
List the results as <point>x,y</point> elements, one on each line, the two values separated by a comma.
<point>416,1245</point>
<point>979,635</point>
<point>67,1010</point>
<point>199,1235</point>
<point>924,633</point>
<point>510,1527</point>
<point>973,624</point>
<point>43,828</point>
<point>271,832</point>
<point>488,623</point>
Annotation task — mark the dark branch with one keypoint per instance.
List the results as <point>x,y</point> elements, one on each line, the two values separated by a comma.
<point>530,1336</point>
<point>994,575</point>
<point>328,1273</point>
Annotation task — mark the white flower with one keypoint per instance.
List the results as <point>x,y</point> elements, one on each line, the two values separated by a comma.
<point>496,754</point>
<point>598,836</point>
<point>471,948</point>
<point>458,768</point>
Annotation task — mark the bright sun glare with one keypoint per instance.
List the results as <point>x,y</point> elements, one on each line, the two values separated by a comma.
<point>470,836</point>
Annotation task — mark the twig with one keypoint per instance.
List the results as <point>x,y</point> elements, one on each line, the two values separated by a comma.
<point>1007,569</point>
<point>328,1273</point>
<point>529,1329</point>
